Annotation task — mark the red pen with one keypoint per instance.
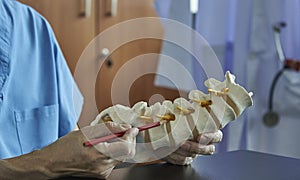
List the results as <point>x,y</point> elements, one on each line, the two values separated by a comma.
<point>119,134</point>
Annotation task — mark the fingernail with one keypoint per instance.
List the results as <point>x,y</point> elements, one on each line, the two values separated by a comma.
<point>135,131</point>
<point>189,160</point>
<point>204,140</point>
<point>212,149</point>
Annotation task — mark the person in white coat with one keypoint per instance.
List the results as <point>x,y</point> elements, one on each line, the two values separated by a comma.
<point>241,34</point>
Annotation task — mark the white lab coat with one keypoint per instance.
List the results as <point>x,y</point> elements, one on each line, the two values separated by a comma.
<point>283,139</point>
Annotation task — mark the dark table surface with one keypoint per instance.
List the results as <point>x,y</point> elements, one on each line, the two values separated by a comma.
<point>239,165</point>
<point>235,165</point>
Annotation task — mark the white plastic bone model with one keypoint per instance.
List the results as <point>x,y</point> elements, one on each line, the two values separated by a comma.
<point>182,119</point>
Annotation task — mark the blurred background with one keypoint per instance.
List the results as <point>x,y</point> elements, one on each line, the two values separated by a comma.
<point>257,40</point>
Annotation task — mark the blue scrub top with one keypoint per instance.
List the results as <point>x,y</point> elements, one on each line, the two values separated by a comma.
<point>39,100</point>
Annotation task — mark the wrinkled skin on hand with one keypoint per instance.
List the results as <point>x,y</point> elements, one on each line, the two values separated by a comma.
<point>188,151</point>
<point>97,161</point>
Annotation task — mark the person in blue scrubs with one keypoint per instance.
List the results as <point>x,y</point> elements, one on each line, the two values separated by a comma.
<point>40,105</point>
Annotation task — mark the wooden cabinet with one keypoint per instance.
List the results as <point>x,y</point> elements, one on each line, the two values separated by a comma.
<point>74,31</point>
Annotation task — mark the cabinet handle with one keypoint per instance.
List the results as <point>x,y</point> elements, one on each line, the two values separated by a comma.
<point>105,53</point>
<point>112,8</point>
<point>87,8</point>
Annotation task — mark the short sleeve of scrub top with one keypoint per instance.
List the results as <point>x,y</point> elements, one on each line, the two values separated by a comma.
<point>39,99</point>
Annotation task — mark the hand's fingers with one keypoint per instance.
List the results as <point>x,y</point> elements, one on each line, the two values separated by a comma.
<point>131,134</point>
<point>175,158</point>
<point>184,151</point>
<point>209,138</point>
<point>103,129</point>
<point>116,127</point>
<point>122,149</point>
<point>117,150</point>
<point>194,147</point>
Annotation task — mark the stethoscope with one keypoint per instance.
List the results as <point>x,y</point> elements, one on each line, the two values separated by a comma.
<point>271,118</point>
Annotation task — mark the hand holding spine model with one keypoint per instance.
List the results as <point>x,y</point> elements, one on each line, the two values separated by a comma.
<point>183,119</point>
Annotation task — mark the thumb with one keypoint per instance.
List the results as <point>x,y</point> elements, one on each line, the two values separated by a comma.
<point>131,134</point>
<point>122,149</point>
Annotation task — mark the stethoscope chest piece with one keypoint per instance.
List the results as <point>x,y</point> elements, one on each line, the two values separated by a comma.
<point>271,119</point>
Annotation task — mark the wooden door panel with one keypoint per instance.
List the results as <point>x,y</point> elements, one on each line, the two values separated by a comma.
<point>143,89</point>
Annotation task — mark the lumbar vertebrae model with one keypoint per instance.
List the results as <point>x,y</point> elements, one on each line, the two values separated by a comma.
<point>183,119</point>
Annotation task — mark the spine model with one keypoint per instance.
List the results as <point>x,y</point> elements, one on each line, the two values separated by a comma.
<point>184,119</point>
